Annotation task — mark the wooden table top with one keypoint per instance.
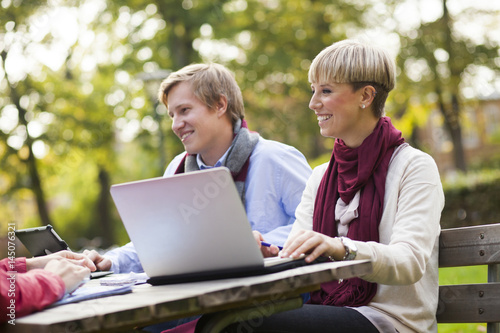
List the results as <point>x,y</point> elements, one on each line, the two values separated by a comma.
<point>152,304</point>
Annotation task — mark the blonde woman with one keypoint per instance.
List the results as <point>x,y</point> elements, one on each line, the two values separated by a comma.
<point>378,198</point>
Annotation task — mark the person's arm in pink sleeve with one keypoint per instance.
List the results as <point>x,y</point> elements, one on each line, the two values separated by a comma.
<point>17,265</point>
<point>36,290</point>
<point>25,292</point>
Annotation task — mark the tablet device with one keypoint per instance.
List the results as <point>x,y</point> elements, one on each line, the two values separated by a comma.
<point>45,240</point>
<point>41,241</point>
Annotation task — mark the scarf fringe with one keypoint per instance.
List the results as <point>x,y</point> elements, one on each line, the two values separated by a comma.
<point>351,292</point>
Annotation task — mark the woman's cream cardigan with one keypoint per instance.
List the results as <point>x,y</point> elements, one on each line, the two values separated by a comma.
<point>405,262</point>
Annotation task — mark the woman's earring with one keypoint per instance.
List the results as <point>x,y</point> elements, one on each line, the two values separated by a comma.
<point>362,106</point>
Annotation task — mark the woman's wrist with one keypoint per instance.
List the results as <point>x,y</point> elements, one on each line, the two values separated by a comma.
<point>347,250</point>
<point>31,264</point>
<point>338,250</point>
<point>36,262</point>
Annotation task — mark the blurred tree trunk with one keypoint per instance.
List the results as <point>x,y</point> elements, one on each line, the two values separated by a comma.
<point>180,40</point>
<point>451,112</point>
<point>31,163</point>
<point>451,116</point>
<point>35,182</point>
<point>104,219</point>
<point>36,186</point>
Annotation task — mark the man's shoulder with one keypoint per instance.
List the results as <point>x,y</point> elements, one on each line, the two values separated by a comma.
<point>271,146</point>
<point>273,153</point>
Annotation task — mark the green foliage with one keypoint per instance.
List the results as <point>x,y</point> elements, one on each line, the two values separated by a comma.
<point>461,328</point>
<point>74,123</point>
<point>470,199</point>
<point>325,158</point>
<point>434,61</point>
<point>278,45</point>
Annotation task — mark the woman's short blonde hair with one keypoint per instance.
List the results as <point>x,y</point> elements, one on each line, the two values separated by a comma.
<point>209,82</point>
<point>358,64</point>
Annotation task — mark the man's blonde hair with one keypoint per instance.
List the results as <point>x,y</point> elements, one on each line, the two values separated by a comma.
<point>209,82</point>
<point>358,64</point>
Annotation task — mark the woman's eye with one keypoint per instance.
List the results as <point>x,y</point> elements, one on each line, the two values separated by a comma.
<point>327,91</point>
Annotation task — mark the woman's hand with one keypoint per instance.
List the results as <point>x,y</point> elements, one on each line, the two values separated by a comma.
<point>74,258</point>
<point>313,244</point>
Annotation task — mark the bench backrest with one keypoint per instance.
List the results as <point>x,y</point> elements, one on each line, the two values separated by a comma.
<point>471,303</point>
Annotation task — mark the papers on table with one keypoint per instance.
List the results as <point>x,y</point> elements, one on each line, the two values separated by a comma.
<point>111,285</point>
<point>124,279</point>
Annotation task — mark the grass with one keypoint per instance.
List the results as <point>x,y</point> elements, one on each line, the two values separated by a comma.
<point>459,275</point>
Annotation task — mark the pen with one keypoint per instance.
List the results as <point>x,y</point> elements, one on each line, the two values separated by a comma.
<point>268,244</point>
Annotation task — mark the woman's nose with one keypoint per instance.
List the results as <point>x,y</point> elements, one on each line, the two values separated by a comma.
<point>314,103</point>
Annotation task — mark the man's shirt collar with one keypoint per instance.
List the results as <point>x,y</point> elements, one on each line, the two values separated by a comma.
<point>219,163</point>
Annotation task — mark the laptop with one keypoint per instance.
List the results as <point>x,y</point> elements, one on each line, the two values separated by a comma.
<point>191,227</point>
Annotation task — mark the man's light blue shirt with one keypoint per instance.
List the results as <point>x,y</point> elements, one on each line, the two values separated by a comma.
<point>276,178</point>
<point>202,164</point>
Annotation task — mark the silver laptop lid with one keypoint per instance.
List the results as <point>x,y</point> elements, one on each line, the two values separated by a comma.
<point>187,223</point>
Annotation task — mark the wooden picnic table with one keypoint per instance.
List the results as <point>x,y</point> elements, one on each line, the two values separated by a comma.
<point>148,304</point>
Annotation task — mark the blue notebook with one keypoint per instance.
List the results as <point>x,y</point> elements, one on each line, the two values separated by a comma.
<point>90,292</point>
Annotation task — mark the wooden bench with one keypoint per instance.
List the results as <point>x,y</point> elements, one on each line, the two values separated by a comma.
<point>465,303</point>
<point>471,303</point>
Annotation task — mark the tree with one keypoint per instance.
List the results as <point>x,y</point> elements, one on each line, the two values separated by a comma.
<point>269,45</point>
<point>17,159</point>
<point>442,55</point>
<point>90,98</point>
<point>56,112</point>
<point>99,125</point>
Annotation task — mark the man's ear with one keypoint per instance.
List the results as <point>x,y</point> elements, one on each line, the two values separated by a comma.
<point>368,95</point>
<point>221,106</point>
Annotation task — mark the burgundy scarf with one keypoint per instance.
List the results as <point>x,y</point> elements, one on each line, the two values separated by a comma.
<point>350,170</point>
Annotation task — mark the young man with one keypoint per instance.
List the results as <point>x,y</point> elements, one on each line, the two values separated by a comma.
<point>207,112</point>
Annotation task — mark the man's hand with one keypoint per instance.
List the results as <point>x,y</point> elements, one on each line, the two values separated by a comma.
<point>267,251</point>
<point>102,263</point>
<point>74,258</point>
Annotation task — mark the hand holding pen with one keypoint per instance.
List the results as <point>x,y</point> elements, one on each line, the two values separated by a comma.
<point>267,249</point>
<point>269,245</point>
